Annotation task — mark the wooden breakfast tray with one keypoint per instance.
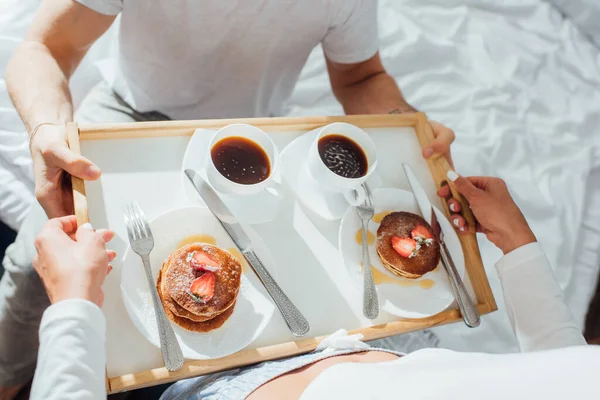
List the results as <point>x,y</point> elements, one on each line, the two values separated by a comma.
<point>437,166</point>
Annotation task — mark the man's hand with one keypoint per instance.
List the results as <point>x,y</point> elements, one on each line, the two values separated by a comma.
<point>73,262</point>
<point>441,145</point>
<point>52,161</point>
<point>366,88</point>
<point>496,212</point>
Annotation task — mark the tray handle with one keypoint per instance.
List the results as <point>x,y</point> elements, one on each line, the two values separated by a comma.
<point>78,186</point>
<point>439,166</point>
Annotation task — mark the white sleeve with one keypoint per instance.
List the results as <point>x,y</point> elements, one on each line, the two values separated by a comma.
<point>534,302</point>
<point>71,360</point>
<point>107,7</point>
<point>352,35</point>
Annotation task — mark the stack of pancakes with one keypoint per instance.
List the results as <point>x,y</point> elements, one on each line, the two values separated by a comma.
<point>175,279</point>
<point>401,224</point>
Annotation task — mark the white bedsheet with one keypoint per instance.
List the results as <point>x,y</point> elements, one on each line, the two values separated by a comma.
<point>518,83</point>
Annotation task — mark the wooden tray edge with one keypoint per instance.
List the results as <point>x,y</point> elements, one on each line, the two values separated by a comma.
<point>187,128</point>
<point>439,167</point>
<point>79,196</point>
<point>192,368</point>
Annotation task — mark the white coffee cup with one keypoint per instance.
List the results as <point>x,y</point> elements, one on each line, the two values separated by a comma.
<point>329,180</point>
<point>223,184</point>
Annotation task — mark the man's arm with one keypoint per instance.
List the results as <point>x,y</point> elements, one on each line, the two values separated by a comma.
<point>366,88</point>
<point>38,74</point>
<point>37,78</point>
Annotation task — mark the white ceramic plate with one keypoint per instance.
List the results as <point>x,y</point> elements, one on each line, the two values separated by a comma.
<point>253,309</point>
<point>251,209</point>
<point>328,205</point>
<point>408,298</point>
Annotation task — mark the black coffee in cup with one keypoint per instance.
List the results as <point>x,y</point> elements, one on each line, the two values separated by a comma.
<point>241,160</point>
<point>343,156</point>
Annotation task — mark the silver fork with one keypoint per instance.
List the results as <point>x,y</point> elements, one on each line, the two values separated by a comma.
<point>370,301</point>
<point>142,242</point>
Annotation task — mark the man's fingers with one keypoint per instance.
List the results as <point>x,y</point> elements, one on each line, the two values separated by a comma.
<point>463,185</point>
<point>444,191</point>
<point>443,139</point>
<point>51,202</point>
<point>73,163</point>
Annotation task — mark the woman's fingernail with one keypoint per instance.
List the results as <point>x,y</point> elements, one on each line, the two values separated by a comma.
<point>427,152</point>
<point>87,225</point>
<point>452,175</point>
<point>452,207</point>
<point>455,221</point>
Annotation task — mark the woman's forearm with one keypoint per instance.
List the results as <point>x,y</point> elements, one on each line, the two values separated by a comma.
<point>72,358</point>
<point>534,302</point>
<point>38,86</point>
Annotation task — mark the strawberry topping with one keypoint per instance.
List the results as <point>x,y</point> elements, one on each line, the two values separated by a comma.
<point>201,261</point>
<point>203,287</point>
<point>406,247</point>
<point>420,232</point>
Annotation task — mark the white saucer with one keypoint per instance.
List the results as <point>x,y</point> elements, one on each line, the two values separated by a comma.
<point>407,298</point>
<point>253,309</point>
<point>328,205</point>
<point>248,209</point>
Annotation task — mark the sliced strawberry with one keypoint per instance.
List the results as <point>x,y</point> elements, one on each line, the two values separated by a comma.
<point>201,261</point>
<point>404,246</point>
<point>204,287</point>
<point>421,232</point>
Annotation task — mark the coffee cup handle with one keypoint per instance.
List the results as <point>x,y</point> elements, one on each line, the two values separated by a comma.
<point>274,188</point>
<point>355,196</point>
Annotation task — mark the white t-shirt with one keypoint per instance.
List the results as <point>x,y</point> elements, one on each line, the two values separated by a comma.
<point>236,58</point>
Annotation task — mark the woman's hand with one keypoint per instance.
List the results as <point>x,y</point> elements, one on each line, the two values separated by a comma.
<point>496,212</point>
<point>52,158</point>
<point>73,262</point>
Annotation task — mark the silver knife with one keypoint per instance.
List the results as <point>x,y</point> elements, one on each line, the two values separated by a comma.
<point>465,303</point>
<point>293,317</point>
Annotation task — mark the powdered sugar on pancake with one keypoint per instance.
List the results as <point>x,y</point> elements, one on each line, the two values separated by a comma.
<point>179,276</point>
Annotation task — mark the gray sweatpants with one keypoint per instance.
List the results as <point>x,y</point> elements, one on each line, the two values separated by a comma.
<point>22,295</point>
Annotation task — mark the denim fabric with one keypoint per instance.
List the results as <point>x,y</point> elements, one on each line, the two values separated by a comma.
<point>239,383</point>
